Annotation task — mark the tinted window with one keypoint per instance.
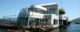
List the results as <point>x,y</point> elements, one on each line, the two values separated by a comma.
<point>51,10</point>
<point>55,21</point>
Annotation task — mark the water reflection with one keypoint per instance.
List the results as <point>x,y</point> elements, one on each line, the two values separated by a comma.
<point>61,29</point>
<point>71,28</point>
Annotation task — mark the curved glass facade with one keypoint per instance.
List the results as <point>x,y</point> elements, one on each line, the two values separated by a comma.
<point>22,17</point>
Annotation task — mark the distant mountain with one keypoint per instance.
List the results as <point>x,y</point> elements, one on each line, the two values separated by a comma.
<point>77,20</point>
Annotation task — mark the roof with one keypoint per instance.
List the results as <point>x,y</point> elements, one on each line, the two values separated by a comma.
<point>40,6</point>
<point>47,4</point>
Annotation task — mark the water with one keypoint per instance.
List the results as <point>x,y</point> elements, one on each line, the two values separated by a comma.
<point>7,30</point>
<point>71,28</point>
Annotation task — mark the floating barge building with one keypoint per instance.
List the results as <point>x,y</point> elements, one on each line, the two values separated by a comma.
<point>43,15</point>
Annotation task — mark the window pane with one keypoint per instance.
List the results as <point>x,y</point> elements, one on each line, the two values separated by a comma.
<point>55,21</point>
<point>51,10</point>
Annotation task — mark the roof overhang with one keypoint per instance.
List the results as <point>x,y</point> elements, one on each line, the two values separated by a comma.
<point>41,6</point>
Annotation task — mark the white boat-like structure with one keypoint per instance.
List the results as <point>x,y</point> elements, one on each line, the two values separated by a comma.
<point>43,15</point>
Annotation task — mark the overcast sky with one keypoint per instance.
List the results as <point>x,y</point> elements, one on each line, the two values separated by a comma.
<point>13,7</point>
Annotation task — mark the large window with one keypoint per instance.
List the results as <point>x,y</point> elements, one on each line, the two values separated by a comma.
<point>55,21</point>
<point>37,21</point>
<point>51,10</point>
<point>34,21</point>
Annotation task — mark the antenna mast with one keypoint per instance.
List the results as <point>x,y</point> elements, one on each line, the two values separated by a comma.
<point>61,3</point>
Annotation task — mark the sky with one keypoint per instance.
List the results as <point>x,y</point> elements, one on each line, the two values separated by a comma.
<point>13,7</point>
